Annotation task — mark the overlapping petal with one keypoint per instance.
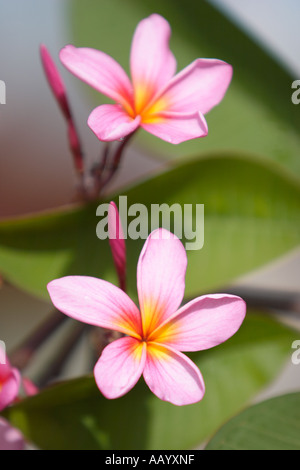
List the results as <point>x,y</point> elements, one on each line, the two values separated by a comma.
<point>160,278</point>
<point>152,63</point>
<point>100,71</point>
<point>203,323</point>
<point>176,128</point>
<point>96,302</point>
<point>111,122</point>
<point>198,87</point>
<point>172,376</point>
<point>120,366</point>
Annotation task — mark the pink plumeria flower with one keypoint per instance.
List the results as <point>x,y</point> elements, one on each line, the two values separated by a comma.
<point>10,381</point>
<point>155,335</point>
<point>169,106</point>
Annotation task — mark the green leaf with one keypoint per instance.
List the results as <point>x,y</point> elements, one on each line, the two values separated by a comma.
<point>251,216</point>
<point>256,115</point>
<point>271,425</point>
<point>74,414</point>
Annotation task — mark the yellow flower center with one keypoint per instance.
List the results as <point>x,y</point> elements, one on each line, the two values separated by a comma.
<point>154,330</point>
<point>150,110</point>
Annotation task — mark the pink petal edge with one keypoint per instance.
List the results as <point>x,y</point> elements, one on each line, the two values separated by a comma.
<point>120,366</point>
<point>110,122</point>
<point>205,322</point>
<point>100,71</point>
<point>160,277</point>
<point>172,376</point>
<point>198,87</point>
<point>176,128</point>
<point>152,63</point>
<point>95,302</point>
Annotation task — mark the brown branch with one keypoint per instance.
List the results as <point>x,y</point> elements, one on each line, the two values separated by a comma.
<point>23,354</point>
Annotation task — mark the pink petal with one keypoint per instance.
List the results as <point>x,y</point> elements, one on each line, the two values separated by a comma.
<point>9,386</point>
<point>160,278</point>
<point>176,128</point>
<point>55,81</point>
<point>117,243</point>
<point>10,438</point>
<point>172,376</point>
<point>120,366</point>
<point>96,302</point>
<point>100,71</point>
<point>152,63</point>
<point>203,323</point>
<point>110,122</point>
<point>29,387</point>
<point>198,87</point>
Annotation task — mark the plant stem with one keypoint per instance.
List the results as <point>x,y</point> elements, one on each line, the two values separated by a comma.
<point>21,356</point>
<point>102,181</point>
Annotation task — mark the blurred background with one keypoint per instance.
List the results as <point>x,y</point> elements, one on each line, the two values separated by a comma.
<point>36,170</point>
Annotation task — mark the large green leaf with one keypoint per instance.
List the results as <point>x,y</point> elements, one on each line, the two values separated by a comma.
<point>74,414</point>
<point>271,425</point>
<point>251,212</point>
<point>257,114</point>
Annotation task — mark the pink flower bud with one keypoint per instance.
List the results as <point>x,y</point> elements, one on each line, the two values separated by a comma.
<point>55,81</point>
<point>58,89</point>
<point>117,243</point>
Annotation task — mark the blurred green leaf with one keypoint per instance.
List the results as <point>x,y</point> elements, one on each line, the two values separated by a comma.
<point>251,213</point>
<point>257,114</point>
<point>74,414</point>
<point>271,425</point>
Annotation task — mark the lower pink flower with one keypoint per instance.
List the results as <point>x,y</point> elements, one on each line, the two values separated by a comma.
<point>156,334</point>
<point>10,381</point>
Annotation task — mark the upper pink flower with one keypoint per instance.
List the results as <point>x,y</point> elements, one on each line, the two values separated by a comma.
<point>10,381</point>
<point>170,106</point>
<point>156,334</point>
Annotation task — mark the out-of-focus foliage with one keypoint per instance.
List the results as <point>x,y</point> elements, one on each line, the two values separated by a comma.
<point>271,425</point>
<point>251,214</point>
